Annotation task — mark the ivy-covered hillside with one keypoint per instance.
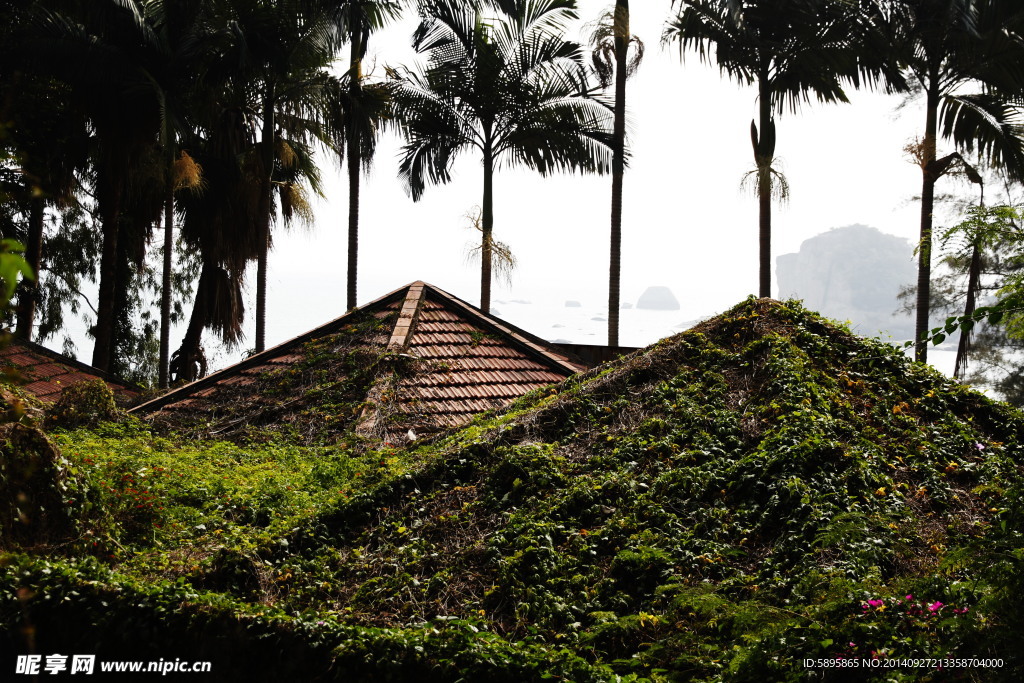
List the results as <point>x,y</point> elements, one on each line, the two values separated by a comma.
<point>763,489</point>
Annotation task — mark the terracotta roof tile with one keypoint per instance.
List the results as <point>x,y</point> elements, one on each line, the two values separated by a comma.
<point>48,373</point>
<point>470,362</point>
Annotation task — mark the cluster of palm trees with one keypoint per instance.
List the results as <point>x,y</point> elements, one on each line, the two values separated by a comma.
<point>202,113</point>
<point>209,114</point>
<point>965,56</point>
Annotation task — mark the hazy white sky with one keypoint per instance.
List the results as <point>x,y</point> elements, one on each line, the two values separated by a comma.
<point>686,223</point>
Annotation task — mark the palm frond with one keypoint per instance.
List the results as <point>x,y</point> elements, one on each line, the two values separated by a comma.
<point>990,124</point>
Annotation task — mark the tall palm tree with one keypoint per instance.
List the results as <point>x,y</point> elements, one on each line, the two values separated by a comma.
<point>791,50</point>
<point>185,45</point>
<point>265,96</point>
<point>501,80</point>
<point>288,47</point>
<point>220,224</point>
<point>945,48</point>
<point>366,106</point>
<point>612,40</point>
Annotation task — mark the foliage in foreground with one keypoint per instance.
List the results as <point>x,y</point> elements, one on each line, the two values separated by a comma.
<point>764,488</point>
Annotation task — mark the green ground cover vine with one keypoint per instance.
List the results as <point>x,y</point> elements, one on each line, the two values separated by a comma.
<point>762,489</point>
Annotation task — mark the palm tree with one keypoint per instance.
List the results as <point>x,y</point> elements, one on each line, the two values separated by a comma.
<point>285,48</point>
<point>366,107</point>
<point>611,41</point>
<point>185,43</point>
<point>220,224</point>
<point>269,83</point>
<point>510,87</point>
<point>792,50</point>
<point>944,47</point>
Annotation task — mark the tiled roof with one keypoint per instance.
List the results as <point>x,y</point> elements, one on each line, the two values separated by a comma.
<point>47,373</point>
<point>448,362</point>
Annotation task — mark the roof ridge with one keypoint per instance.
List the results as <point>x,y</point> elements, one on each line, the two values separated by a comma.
<point>258,358</point>
<point>405,325</point>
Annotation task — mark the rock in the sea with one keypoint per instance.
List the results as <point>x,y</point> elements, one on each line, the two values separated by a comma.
<point>658,299</point>
<point>573,304</point>
<point>853,273</point>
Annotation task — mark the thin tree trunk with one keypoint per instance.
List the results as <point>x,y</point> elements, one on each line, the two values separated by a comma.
<point>105,301</point>
<point>353,224</point>
<point>261,289</point>
<point>621,29</point>
<point>354,161</point>
<point>124,281</point>
<point>165,290</point>
<point>973,278</point>
<point>266,206</point>
<point>973,284</point>
<point>924,264</point>
<point>28,293</point>
<point>488,227</point>
<point>763,157</point>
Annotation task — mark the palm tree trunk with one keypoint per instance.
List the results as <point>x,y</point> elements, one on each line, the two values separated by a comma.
<point>110,203</point>
<point>353,222</point>
<point>354,159</point>
<point>191,344</point>
<point>488,226</point>
<point>266,206</point>
<point>621,28</point>
<point>763,157</point>
<point>924,264</point>
<point>123,284</point>
<point>165,289</point>
<point>28,295</point>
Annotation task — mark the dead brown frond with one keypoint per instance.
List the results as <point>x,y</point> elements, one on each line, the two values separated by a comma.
<point>917,151</point>
<point>186,173</point>
<point>766,175</point>
<point>295,204</point>
<point>285,154</point>
<point>503,261</point>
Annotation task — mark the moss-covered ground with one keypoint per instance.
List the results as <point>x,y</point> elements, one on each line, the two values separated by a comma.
<point>761,490</point>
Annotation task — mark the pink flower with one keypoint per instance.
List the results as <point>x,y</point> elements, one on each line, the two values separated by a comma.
<point>910,597</point>
<point>876,603</point>
<point>979,446</point>
<point>935,606</point>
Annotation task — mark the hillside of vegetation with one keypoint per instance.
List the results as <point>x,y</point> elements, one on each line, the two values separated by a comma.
<point>761,489</point>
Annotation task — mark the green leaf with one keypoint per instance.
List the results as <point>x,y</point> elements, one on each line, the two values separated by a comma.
<point>938,338</point>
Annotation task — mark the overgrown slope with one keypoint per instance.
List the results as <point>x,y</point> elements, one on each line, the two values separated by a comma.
<point>762,489</point>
